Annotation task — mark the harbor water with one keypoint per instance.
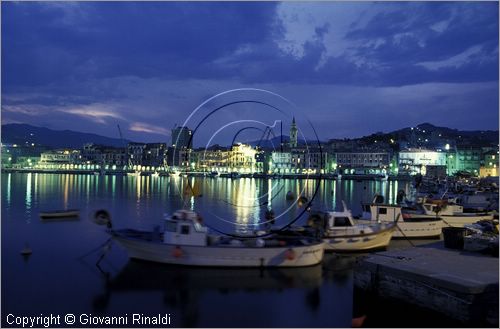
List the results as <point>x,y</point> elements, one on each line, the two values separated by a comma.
<point>60,276</point>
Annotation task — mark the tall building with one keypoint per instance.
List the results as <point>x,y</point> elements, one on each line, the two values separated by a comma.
<point>182,137</point>
<point>293,134</point>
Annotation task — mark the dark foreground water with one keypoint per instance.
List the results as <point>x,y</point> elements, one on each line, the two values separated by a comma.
<point>61,278</point>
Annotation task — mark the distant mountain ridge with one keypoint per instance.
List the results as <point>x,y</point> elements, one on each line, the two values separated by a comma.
<point>430,131</point>
<point>23,134</point>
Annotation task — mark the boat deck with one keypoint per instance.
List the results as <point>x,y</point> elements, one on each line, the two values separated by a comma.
<point>220,241</point>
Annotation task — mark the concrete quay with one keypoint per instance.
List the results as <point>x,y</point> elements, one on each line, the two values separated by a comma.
<point>462,285</point>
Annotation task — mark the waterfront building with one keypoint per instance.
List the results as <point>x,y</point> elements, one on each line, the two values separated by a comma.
<point>114,157</point>
<point>179,158</point>
<point>106,156</point>
<point>262,161</point>
<point>281,162</point>
<point>414,161</point>
<point>363,161</point>
<point>490,164</point>
<point>59,159</point>
<point>242,158</point>
<point>469,159</point>
<point>182,137</point>
<point>214,158</point>
<point>26,162</point>
<point>16,155</point>
<point>135,152</point>
<point>308,160</point>
<point>154,155</point>
<point>435,171</point>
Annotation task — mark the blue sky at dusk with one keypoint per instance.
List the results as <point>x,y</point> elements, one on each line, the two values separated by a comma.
<point>352,68</point>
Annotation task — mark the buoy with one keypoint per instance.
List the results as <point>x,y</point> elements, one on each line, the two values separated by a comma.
<point>177,252</point>
<point>290,254</point>
<point>102,217</point>
<point>26,251</point>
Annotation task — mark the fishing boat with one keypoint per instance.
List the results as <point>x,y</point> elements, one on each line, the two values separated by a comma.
<point>186,241</point>
<point>409,225</point>
<point>341,233</point>
<point>453,214</point>
<point>60,214</point>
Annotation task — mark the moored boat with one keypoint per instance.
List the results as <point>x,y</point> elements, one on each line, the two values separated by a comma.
<point>342,233</point>
<point>185,241</point>
<point>453,214</point>
<point>409,225</point>
<point>60,214</point>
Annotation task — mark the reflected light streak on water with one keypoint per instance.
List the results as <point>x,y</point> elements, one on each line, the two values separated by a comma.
<point>28,192</point>
<point>9,179</point>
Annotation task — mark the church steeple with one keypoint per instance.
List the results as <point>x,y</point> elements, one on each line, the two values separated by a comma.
<point>293,134</point>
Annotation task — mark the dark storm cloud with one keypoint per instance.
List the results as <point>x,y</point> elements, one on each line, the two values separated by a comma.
<point>50,42</point>
<point>146,65</point>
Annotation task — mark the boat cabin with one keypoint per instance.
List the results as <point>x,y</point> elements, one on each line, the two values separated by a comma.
<point>184,228</point>
<point>339,219</point>
<point>332,219</point>
<point>433,208</point>
<point>381,212</point>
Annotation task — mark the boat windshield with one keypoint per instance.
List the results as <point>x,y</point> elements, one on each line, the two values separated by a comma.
<point>170,226</point>
<point>342,221</point>
<point>199,228</point>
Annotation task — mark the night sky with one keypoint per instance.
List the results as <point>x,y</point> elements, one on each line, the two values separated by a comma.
<point>352,69</point>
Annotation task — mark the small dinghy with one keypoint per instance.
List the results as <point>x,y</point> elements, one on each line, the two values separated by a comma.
<point>60,215</point>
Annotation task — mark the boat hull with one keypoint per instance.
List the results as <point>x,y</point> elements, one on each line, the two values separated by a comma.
<point>418,229</point>
<point>461,220</point>
<point>222,256</point>
<point>58,215</point>
<point>360,242</point>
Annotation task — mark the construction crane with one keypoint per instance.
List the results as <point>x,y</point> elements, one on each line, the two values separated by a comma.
<point>127,159</point>
<point>120,132</point>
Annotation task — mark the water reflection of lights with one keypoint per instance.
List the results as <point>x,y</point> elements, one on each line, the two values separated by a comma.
<point>391,199</point>
<point>9,178</point>
<point>66,191</point>
<point>28,192</point>
<point>113,186</point>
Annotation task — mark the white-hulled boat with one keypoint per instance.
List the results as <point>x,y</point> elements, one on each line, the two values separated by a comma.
<point>342,233</point>
<point>453,214</point>
<point>408,225</point>
<point>185,241</point>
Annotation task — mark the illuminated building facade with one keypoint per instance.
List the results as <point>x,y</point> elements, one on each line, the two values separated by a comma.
<point>242,158</point>
<point>414,161</point>
<point>490,164</point>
